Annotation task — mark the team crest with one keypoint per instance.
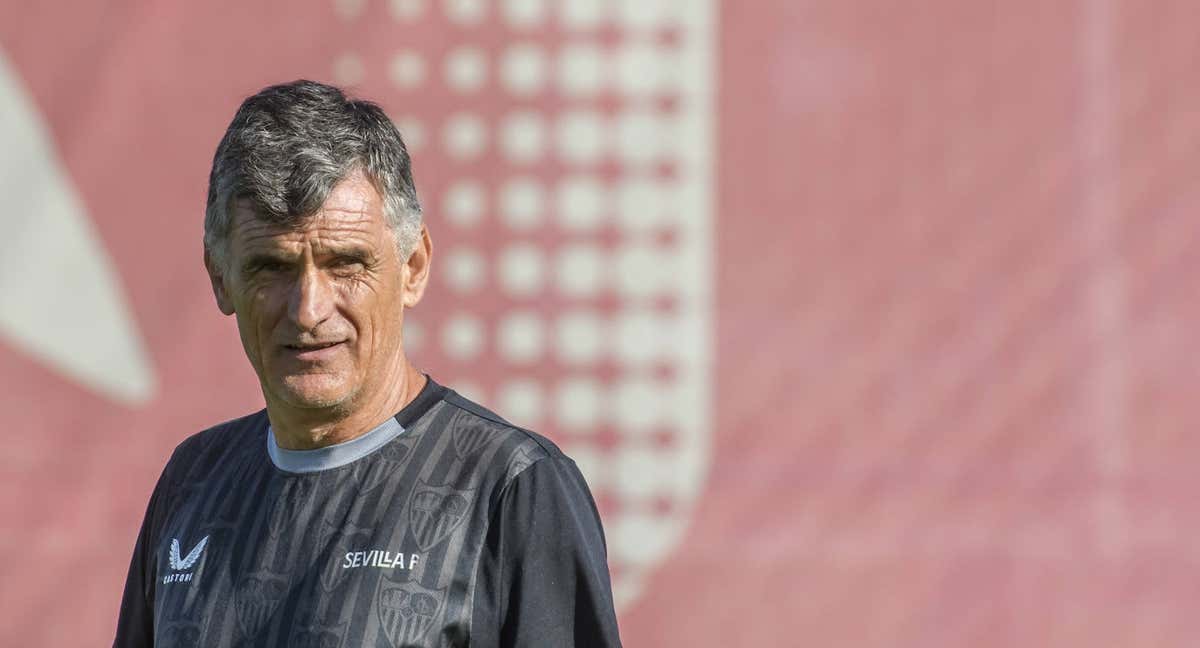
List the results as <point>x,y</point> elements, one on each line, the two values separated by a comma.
<point>333,574</point>
<point>178,498</point>
<point>256,599</point>
<point>436,511</point>
<point>469,438</point>
<point>391,460</point>
<point>179,635</point>
<point>287,506</point>
<point>336,512</point>
<point>408,611</point>
<point>396,452</point>
<point>520,460</point>
<point>318,637</point>
<point>225,507</point>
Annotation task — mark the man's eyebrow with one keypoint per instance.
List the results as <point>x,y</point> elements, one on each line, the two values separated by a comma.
<point>355,252</point>
<point>261,257</point>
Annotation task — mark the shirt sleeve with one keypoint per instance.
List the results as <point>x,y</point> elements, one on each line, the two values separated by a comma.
<point>135,624</point>
<point>545,565</point>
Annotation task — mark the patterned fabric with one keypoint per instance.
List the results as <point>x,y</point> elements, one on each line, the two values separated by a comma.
<point>462,530</point>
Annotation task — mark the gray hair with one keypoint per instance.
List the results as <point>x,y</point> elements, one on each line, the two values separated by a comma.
<point>288,146</point>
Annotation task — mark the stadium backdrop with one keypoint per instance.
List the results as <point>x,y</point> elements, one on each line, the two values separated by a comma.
<point>869,322</point>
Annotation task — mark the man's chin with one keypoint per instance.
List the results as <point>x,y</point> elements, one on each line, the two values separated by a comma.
<point>312,392</point>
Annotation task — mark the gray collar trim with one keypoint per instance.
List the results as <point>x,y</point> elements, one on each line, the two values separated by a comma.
<point>334,456</point>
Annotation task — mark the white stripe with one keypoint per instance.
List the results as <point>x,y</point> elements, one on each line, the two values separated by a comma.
<point>62,298</point>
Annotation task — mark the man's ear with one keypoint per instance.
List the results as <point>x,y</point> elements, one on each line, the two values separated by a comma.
<point>216,275</point>
<point>416,269</point>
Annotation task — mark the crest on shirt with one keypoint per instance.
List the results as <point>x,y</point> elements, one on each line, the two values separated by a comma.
<point>317,636</point>
<point>519,461</point>
<point>179,635</point>
<point>408,610</point>
<point>256,598</point>
<point>288,504</point>
<point>392,458</point>
<point>332,574</point>
<point>335,513</point>
<point>469,438</point>
<point>434,512</point>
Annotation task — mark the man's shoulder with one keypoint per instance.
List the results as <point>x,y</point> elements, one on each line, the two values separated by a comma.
<point>475,425</point>
<point>229,436</point>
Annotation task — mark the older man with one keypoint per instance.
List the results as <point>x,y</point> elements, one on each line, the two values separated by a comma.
<point>366,505</point>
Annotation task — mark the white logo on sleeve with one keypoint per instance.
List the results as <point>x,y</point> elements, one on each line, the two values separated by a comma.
<point>183,564</point>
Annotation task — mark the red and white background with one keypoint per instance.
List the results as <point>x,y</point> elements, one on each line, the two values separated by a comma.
<point>870,324</point>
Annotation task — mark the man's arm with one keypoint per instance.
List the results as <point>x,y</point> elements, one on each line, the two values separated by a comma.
<point>546,562</point>
<point>135,625</point>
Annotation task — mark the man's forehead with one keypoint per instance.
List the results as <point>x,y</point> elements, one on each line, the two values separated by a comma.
<point>330,229</point>
<point>352,203</point>
<point>344,212</point>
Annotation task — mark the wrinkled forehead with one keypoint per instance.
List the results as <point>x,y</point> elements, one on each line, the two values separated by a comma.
<point>352,213</point>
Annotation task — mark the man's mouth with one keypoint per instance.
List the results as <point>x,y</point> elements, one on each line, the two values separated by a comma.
<point>313,352</point>
<point>311,347</point>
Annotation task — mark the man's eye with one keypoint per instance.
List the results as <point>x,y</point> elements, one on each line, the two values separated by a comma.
<point>347,265</point>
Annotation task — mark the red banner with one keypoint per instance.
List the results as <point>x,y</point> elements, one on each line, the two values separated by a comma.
<point>867,323</point>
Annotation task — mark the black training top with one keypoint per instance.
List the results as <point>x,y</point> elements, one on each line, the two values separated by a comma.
<point>445,526</point>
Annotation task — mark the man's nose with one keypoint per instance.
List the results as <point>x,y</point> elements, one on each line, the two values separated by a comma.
<point>311,301</point>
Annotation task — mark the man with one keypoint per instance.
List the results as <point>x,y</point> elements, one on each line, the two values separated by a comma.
<point>366,505</point>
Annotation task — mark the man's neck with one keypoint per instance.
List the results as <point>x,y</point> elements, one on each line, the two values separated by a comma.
<point>309,429</point>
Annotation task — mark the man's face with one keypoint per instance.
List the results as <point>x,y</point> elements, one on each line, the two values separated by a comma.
<point>319,307</point>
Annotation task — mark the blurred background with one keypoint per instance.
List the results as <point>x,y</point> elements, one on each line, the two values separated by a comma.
<point>868,322</point>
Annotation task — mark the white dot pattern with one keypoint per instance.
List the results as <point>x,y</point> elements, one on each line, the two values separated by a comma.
<point>581,202</point>
<point>580,404</point>
<point>414,334</point>
<point>642,271</point>
<point>465,269</point>
<point>638,405</point>
<point>525,14</point>
<point>580,337</point>
<point>466,12</point>
<point>522,201</point>
<point>407,10</point>
<point>348,69</point>
<point>464,203</point>
<point>642,336</point>
<point>469,389</point>
<point>521,337</point>
<point>407,69</point>
<point>462,337</point>
<point>580,270</point>
<point>648,14</point>
<point>581,70</point>
<point>565,180</point>
<point>465,136</point>
<point>412,130</point>
<point>581,136</point>
<point>583,14</point>
<point>523,137</point>
<point>349,10</point>
<point>643,538</point>
<point>522,270</point>
<point>522,401</point>
<point>466,69</point>
<point>642,138</point>
<point>643,205</point>
<point>523,69</point>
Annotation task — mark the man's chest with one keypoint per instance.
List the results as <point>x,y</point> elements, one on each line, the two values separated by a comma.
<point>348,558</point>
